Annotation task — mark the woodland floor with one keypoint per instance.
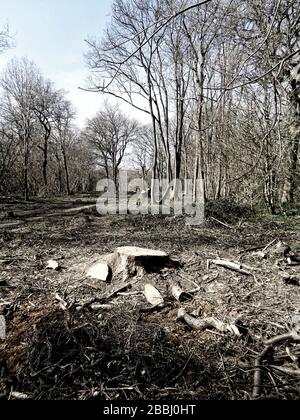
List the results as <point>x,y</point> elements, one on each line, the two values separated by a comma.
<point>122,351</point>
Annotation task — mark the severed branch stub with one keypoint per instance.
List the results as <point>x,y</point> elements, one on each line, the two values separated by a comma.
<point>179,294</point>
<point>207,323</point>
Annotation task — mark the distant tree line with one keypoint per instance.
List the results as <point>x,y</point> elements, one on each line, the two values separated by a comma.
<point>42,152</point>
<point>218,80</point>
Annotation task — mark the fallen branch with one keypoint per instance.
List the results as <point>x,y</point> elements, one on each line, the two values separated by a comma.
<point>269,245</point>
<point>206,323</point>
<point>130,293</point>
<point>263,248</point>
<point>185,277</point>
<point>212,279</point>
<point>98,306</point>
<point>239,268</point>
<point>107,298</point>
<point>9,260</point>
<point>5,303</point>
<point>221,223</point>
<point>197,287</point>
<point>286,371</point>
<point>294,336</point>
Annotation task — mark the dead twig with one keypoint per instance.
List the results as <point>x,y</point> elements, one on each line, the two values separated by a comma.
<point>107,298</point>
<point>263,248</point>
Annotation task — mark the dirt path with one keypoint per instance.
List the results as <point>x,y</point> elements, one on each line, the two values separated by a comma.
<point>31,217</point>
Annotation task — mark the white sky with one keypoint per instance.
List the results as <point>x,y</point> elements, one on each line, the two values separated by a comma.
<point>52,34</point>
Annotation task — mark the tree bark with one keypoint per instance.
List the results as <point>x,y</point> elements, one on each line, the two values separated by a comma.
<point>66,171</point>
<point>26,162</point>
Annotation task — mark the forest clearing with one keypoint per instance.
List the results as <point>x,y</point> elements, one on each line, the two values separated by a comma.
<point>72,337</point>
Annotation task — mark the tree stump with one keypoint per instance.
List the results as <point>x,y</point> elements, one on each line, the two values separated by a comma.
<point>130,261</point>
<point>133,261</point>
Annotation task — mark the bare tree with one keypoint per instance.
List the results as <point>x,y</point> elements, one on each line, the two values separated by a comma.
<point>142,151</point>
<point>63,134</point>
<point>109,133</point>
<point>19,83</point>
<point>8,152</point>
<point>46,104</point>
<point>141,61</point>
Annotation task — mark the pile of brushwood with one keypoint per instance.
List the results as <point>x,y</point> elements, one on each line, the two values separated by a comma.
<point>58,353</point>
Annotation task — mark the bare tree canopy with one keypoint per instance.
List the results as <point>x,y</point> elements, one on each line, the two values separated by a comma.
<point>5,39</point>
<point>193,73</point>
<point>110,133</point>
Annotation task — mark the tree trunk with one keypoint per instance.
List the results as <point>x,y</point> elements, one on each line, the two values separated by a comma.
<point>290,181</point>
<point>26,161</point>
<point>219,181</point>
<point>66,171</point>
<point>155,147</point>
<point>45,160</point>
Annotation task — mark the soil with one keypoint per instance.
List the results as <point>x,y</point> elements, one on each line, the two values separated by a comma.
<point>58,347</point>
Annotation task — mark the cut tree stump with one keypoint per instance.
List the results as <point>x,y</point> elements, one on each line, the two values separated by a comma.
<point>133,261</point>
<point>130,261</point>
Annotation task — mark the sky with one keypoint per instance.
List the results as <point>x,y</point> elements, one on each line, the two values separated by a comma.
<point>52,34</point>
